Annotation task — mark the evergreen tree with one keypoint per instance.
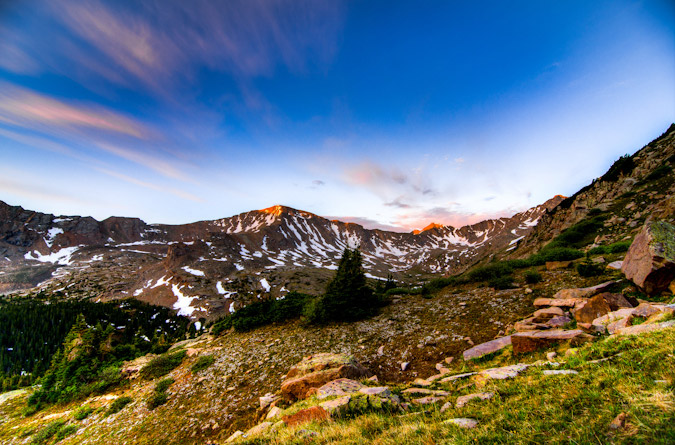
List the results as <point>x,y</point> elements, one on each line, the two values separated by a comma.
<point>347,296</point>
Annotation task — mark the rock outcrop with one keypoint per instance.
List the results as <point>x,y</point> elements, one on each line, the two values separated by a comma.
<point>650,261</point>
<point>315,371</point>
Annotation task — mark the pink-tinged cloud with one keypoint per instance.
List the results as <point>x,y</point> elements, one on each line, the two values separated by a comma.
<point>27,109</point>
<point>419,219</point>
<point>368,223</point>
<point>388,183</point>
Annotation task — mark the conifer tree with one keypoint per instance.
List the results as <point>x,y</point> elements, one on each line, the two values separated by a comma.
<point>347,296</point>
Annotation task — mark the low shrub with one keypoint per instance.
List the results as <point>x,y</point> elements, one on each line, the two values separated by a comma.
<point>203,362</point>
<point>83,412</point>
<point>588,269</point>
<point>65,432</point>
<point>264,312</point>
<point>505,282</point>
<point>162,365</point>
<point>490,271</point>
<point>437,284</point>
<point>622,166</point>
<point>658,173</point>
<point>47,432</point>
<point>532,276</point>
<point>157,399</point>
<point>118,405</point>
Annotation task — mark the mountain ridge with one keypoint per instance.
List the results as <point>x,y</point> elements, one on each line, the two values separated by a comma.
<point>254,253</point>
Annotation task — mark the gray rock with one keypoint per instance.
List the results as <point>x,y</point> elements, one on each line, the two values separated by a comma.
<point>462,422</point>
<point>487,348</point>
<point>463,400</point>
<point>560,372</point>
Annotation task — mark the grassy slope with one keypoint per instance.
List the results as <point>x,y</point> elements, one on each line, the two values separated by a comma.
<point>639,379</point>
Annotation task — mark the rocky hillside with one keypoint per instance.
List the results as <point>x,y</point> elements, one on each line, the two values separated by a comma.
<point>210,267</point>
<point>635,188</point>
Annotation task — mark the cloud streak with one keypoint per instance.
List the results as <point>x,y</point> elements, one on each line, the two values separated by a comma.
<point>24,108</point>
<point>130,179</point>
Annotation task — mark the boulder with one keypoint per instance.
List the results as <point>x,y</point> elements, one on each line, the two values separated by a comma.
<point>558,322</point>
<point>615,265</point>
<point>274,412</point>
<point>313,413</point>
<point>524,342</point>
<point>617,301</point>
<point>528,324</point>
<point>642,328</point>
<point>487,348</point>
<point>339,387</point>
<point>646,310</point>
<point>558,302</point>
<point>584,292</point>
<point>258,429</point>
<point>650,260</point>
<point>337,406</point>
<point>314,371</point>
<point>591,309</point>
<point>547,313</point>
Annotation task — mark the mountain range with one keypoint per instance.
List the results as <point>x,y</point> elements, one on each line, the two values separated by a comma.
<point>205,268</point>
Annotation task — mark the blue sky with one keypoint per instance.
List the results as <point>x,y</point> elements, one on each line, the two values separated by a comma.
<point>391,114</point>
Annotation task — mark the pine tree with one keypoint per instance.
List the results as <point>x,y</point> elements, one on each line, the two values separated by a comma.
<point>347,296</point>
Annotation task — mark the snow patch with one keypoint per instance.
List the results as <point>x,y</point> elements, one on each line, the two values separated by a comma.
<point>196,272</point>
<point>182,304</point>
<point>265,285</point>
<point>61,257</point>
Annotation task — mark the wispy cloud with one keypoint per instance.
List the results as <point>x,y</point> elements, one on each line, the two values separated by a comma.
<point>386,181</point>
<point>130,179</point>
<point>163,44</point>
<point>24,108</point>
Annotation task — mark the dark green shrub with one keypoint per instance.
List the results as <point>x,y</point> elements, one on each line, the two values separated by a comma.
<point>588,269</point>
<point>157,399</point>
<point>164,384</point>
<point>622,166</point>
<point>203,362</point>
<point>621,246</point>
<point>504,282</point>
<point>83,412</point>
<point>599,250</point>
<point>397,291</point>
<point>65,432</point>
<point>556,254</point>
<point>262,313</point>
<point>490,272</point>
<point>159,396</point>
<point>659,173</point>
<point>437,284</point>
<point>118,404</point>
<point>580,234</point>
<point>47,432</point>
<point>532,276</point>
<point>162,365</point>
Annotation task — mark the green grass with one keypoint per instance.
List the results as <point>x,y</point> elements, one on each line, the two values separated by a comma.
<point>638,379</point>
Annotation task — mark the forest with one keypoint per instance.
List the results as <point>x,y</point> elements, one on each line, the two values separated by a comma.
<point>33,329</point>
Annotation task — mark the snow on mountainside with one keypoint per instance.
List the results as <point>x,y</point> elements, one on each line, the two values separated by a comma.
<point>209,267</point>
